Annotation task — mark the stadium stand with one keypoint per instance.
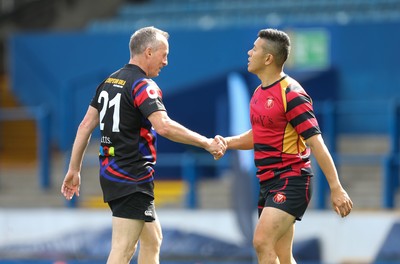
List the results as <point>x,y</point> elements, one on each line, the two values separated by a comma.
<point>226,14</point>
<point>123,14</point>
<point>360,21</point>
<point>14,141</point>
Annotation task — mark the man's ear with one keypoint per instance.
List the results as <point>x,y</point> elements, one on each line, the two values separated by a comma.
<point>269,58</point>
<point>148,52</point>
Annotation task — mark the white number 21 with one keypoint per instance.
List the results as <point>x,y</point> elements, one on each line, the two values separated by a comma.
<point>115,102</point>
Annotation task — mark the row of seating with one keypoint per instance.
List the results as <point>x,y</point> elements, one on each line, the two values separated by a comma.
<point>210,6</point>
<point>211,14</point>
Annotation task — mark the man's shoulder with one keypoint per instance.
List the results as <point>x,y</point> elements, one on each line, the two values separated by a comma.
<point>293,85</point>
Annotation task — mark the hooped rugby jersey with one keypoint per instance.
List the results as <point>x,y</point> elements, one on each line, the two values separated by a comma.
<point>282,117</point>
<point>127,151</point>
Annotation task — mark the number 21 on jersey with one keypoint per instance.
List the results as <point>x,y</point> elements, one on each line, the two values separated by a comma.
<point>110,105</point>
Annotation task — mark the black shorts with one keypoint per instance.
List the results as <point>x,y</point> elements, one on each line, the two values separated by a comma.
<point>136,205</point>
<point>290,194</point>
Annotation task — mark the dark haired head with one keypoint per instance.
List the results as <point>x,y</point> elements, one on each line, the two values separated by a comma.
<point>278,44</point>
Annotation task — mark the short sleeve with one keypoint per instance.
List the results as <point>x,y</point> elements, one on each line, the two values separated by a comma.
<point>300,113</point>
<point>147,96</point>
<point>94,101</point>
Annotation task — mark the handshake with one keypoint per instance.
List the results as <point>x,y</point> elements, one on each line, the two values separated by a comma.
<point>217,146</point>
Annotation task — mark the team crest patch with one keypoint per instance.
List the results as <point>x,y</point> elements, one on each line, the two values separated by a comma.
<point>152,91</point>
<point>269,103</point>
<point>279,198</point>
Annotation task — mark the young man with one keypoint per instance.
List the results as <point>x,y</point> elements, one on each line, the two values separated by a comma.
<point>129,110</point>
<point>283,134</point>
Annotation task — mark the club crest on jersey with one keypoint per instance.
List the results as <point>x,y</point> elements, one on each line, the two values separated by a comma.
<point>269,103</point>
<point>279,198</point>
<point>152,90</point>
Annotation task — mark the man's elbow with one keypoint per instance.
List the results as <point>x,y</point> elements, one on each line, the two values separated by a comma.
<point>315,140</point>
<point>164,130</point>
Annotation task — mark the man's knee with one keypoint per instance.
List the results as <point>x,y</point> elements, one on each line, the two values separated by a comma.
<point>151,237</point>
<point>121,255</point>
<point>259,243</point>
<point>154,247</point>
<point>151,243</point>
<point>158,241</point>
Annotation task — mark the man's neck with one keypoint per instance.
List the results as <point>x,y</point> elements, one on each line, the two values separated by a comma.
<point>139,63</point>
<point>269,78</point>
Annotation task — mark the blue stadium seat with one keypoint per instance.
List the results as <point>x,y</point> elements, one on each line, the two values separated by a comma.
<point>235,13</point>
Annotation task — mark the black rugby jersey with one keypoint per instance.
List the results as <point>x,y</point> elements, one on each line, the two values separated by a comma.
<point>128,142</point>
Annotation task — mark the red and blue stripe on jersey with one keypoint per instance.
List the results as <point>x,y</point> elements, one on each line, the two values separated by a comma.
<point>112,172</point>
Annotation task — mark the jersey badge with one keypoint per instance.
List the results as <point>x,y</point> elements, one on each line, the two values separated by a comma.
<point>152,90</point>
<point>279,198</point>
<point>269,103</point>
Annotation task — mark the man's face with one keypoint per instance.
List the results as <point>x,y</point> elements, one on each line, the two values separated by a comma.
<point>158,58</point>
<point>257,57</point>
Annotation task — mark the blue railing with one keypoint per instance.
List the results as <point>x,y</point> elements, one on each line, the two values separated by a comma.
<point>390,161</point>
<point>189,163</point>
